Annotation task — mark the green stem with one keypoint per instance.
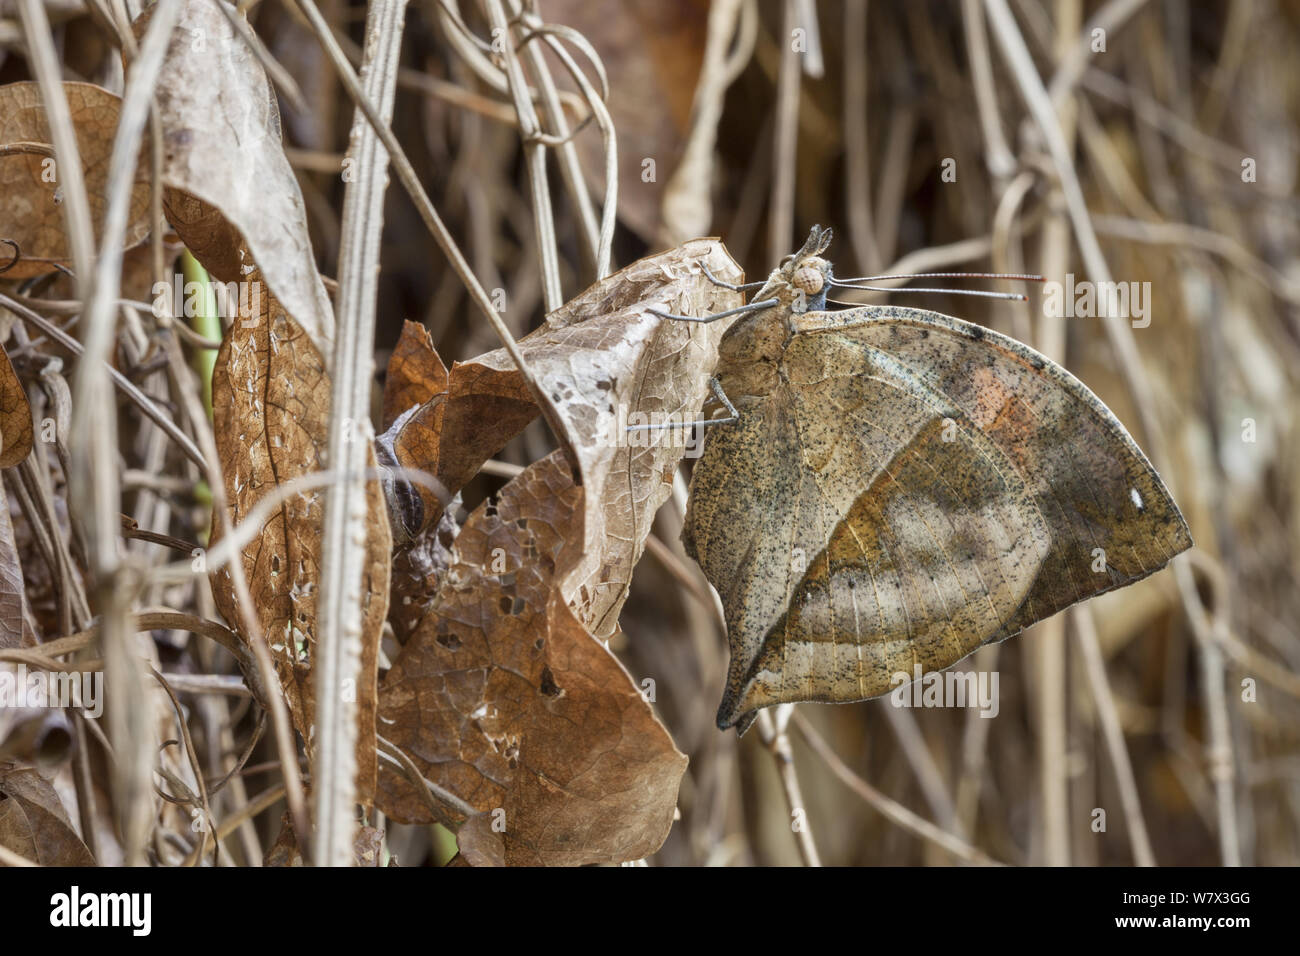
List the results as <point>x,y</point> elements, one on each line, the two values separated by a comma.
<point>205,321</point>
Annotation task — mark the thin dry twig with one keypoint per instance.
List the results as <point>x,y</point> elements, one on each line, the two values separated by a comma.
<point>351,434</point>
<point>1099,684</point>
<point>772,725</point>
<point>892,810</point>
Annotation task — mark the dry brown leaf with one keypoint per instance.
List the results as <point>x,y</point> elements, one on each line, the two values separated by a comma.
<point>34,824</point>
<point>30,212</point>
<point>415,372</point>
<point>505,699</point>
<point>235,201</point>
<point>367,847</point>
<point>601,360</point>
<point>271,396</point>
<point>231,193</point>
<point>451,435</point>
<point>503,652</point>
<point>16,433</point>
<point>12,596</point>
<point>416,572</point>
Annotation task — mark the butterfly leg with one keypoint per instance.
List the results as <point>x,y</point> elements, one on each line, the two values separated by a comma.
<point>731,419</point>
<point>834,321</point>
<point>752,307</point>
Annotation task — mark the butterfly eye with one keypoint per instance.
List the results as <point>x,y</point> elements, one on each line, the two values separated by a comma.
<point>808,279</point>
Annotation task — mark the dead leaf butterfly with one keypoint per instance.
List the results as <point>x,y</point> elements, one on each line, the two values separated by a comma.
<point>896,488</point>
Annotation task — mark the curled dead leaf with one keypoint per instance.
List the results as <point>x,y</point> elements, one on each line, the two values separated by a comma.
<point>30,200</point>
<point>231,194</point>
<point>501,695</point>
<point>482,406</point>
<point>416,374</point>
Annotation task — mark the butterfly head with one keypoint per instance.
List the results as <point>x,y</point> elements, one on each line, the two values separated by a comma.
<point>799,284</point>
<point>804,277</point>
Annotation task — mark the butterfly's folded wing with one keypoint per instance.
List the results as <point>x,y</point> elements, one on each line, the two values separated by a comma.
<point>917,487</point>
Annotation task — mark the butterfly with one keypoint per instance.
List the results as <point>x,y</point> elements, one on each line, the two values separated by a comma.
<point>895,488</point>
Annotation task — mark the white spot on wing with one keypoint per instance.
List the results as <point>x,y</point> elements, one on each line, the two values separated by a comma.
<point>1137,498</point>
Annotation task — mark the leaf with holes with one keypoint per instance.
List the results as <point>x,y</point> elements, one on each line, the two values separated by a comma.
<point>505,699</point>
<point>602,360</point>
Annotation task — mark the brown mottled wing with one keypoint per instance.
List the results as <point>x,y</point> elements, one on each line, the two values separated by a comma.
<point>916,487</point>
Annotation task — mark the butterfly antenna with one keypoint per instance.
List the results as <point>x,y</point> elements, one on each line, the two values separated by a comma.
<point>980,293</point>
<point>712,278</point>
<point>1021,276</point>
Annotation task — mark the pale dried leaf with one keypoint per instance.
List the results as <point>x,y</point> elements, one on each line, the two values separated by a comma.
<point>601,361</point>
<point>224,165</point>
